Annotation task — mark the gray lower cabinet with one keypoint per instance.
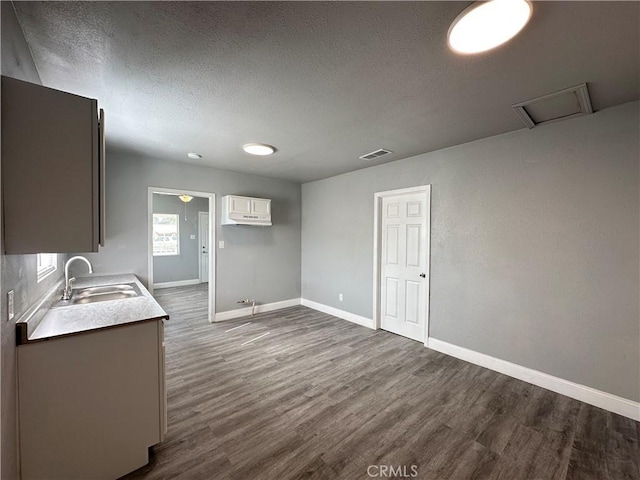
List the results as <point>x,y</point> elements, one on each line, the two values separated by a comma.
<point>91,404</point>
<point>52,170</point>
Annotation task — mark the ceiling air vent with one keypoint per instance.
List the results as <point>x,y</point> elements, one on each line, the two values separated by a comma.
<point>377,154</point>
<point>567,103</point>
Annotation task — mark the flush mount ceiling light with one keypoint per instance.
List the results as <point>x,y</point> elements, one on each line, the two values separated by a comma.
<point>485,25</point>
<point>194,155</point>
<point>258,149</point>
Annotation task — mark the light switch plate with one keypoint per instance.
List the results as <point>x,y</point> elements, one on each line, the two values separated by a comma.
<point>221,244</point>
<point>193,237</point>
<point>10,307</point>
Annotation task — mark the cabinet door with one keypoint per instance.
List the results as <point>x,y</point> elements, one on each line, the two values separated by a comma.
<point>101,390</point>
<point>260,206</point>
<point>240,205</point>
<point>50,170</point>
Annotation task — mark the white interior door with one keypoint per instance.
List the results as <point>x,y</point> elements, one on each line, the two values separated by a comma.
<point>203,239</point>
<point>404,265</point>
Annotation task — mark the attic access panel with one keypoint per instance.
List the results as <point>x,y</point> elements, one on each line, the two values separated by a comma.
<point>568,103</point>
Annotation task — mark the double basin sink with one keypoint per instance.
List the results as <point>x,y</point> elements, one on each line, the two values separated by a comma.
<point>102,293</point>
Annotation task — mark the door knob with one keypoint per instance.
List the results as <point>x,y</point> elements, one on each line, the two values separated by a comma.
<point>423,275</point>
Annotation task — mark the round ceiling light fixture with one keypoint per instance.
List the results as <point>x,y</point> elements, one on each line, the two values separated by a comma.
<point>194,155</point>
<point>258,149</point>
<point>485,25</point>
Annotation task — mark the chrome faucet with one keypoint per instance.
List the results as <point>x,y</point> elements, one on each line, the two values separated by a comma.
<point>68,282</point>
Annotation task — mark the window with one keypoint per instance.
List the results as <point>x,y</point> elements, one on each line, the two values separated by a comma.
<point>166,234</point>
<point>47,264</point>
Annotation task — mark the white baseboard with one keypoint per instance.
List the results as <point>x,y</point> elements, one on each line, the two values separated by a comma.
<point>336,312</point>
<point>179,283</point>
<point>597,398</point>
<point>245,311</point>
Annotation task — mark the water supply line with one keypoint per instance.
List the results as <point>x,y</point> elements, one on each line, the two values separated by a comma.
<point>246,301</point>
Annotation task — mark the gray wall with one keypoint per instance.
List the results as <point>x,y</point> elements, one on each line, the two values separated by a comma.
<point>262,263</point>
<point>535,245</point>
<point>17,272</point>
<point>185,266</point>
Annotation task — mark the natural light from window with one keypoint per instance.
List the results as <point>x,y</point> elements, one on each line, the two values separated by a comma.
<point>166,234</point>
<point>47,264</point>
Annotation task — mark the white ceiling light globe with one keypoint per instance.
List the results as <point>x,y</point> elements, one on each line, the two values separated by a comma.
<point>485,25</point>
<point>258,149</point>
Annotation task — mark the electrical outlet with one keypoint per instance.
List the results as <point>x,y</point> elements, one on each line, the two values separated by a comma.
<point>193,237</point>
<point>10,307</point>
<point>221,244</point>
<point>340,297</point>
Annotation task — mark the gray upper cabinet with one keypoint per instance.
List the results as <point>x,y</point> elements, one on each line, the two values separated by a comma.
<point>52,170</point>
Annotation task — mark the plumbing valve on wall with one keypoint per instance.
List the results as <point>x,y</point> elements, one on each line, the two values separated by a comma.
<point>246,301</point>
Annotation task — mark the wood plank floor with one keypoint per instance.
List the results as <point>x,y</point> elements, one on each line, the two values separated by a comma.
<point>316,397</point>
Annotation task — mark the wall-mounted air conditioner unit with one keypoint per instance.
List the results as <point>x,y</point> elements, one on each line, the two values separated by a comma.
<point>237,210</point>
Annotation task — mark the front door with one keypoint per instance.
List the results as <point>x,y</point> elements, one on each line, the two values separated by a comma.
<point>404,265</point>
<point>203,238</point>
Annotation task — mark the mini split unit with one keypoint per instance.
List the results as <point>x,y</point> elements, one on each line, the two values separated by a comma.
<point>237,210</point>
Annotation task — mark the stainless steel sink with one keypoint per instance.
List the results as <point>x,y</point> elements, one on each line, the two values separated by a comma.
<point>105,289</point>
<point>103,297</point>
<point>102,293</point>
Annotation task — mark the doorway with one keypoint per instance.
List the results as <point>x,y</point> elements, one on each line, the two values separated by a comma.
<point>181,227</point>
<point>401,261</point>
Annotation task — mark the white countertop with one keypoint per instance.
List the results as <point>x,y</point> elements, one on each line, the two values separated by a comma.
<point>71,319</point>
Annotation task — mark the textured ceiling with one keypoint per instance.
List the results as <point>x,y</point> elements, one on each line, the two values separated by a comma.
<point>324,82</point>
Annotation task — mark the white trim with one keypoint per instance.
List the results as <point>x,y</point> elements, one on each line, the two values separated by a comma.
<point>212,239</point>
<point>178,283</point>
<point>377,241</point>
<point>246,311</point>
<point>336,312</point>
<point>200,214</point>
<point>150,240</point>
<point>598,398</point>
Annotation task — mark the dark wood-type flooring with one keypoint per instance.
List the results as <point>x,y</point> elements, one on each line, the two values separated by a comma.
<point>322,398</point>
